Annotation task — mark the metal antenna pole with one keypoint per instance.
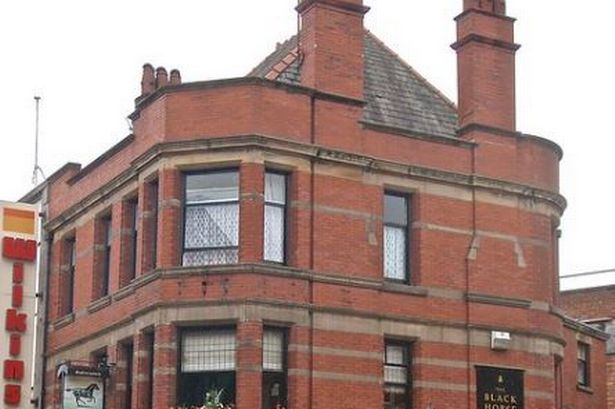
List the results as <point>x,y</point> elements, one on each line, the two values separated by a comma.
<point>37,168</point>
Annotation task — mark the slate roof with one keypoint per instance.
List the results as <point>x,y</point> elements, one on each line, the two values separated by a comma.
<point>396,95</point>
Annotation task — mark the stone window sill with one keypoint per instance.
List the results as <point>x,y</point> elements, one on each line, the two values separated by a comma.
<point>64,321</point>
<point>99,304</point>
<point>585,389</point>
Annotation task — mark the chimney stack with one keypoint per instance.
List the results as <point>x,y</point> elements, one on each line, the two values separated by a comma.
<point>148,82</point>
<point>331,39</point>
<point>176,77</point>
<point>486,65</point>
<point>162,79</point>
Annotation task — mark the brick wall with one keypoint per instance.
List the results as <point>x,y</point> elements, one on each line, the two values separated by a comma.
<point>484,209</point>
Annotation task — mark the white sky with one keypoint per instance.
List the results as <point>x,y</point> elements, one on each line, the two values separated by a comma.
<point>84,58</point>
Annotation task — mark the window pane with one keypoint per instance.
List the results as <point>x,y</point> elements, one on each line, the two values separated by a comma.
<point>395,210</point>
<point>581,373</point>
<point>275,188</point>
<point>396,374</point>
<point>273,350</point>
<point>72,253</point>
<point>108,231</point>
<point>208,351</point>
<point>212,226</point>
<point>395,354</point>
<point>274,233</point>
<point>193,387</point>
<point>394,397</point>
<point>210,257</point>
<point>395,253</point>
<point>212,187</point>
<point>582,352</point>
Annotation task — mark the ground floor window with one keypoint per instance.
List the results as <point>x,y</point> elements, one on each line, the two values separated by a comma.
<point>274,369</point>
<point>207,367</point>
<point>397,376</point>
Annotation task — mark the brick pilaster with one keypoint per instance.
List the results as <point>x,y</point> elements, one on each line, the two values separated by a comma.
<point>251,189</point>
<point>249,365</point>
<point>141,383</point>
<point>148,226</point>
<point>165,366</point>
<point>170,222</point>
<point>298,365</point>
<point>299,234</point>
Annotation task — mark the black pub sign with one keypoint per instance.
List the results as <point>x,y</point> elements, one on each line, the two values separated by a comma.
<point>499,388</point>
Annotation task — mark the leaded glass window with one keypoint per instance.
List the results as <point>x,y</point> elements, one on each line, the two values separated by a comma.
<point>273,350</point>
<point>205,351</point>
<point>396,376</point>
<point>207,366</point>
<point>275,217</point>
<point>211,231</point>
<point>395,237</point>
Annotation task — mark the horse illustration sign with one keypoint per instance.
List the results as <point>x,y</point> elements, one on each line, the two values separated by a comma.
<point>18,249</point>
<point>83,388</point>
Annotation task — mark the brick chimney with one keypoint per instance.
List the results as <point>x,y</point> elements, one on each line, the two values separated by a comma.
<point>162,78</point>
<point>332,45</point>
<point>148,80</point>
<point>176,77</point>
<point>486,65</point>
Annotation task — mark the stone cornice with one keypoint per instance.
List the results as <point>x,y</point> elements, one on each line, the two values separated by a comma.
<point>512,134</point>
<point>289,147</point>
<point>477,38</point>
<point>142,103</point>
<point>584,328</point>
<point>446,140</point>
<point>348,312</point>
<point>274,270</point>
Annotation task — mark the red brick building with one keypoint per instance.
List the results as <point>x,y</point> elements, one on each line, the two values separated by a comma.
<point>596,307</point>
<point>327,232</point>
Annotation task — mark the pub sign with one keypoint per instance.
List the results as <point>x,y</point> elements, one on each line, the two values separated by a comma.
<point>499,388</point>
<point>83,387</point>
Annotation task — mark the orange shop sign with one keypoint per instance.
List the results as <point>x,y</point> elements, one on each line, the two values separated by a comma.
<point>18,226</point>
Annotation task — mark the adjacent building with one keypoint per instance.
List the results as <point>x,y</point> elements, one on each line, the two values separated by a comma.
<point>595,306</point>
<point>328,232</point>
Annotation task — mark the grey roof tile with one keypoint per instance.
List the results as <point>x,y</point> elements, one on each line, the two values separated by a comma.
<point>395,94</point>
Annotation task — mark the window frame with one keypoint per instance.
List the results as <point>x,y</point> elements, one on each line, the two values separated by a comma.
<point>283,374</point>
<point>107,236</point>
<point>134,236</point>
<point>586,363</point>
<point>407,350</point>
<point>185,205</point>
<point>284,207</point>
<point>407,267</point>
<point>154,192</point>
<point>180,352</point>
<point>71,259</point>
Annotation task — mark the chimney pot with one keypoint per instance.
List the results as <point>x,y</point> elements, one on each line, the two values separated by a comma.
<point>148,84</point>
<point>162,78</point>
<point>176,77</point>
<point>490,6</point>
